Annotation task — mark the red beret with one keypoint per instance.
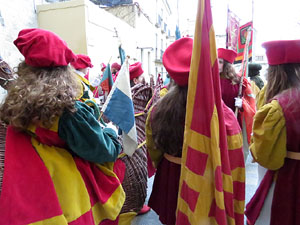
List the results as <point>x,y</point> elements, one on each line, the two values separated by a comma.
<point>115,65</point>
<point>83,61</point>
<point>103,67</point>
<point>177,60</point>
<point>281,52</point>
<point>227,54</point>
<point>42,48</point>
<point>135,70</point>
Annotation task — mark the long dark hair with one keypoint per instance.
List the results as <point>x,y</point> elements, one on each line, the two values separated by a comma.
<point>229,72</point>
<point>282,77</point>
<point>168,120</point>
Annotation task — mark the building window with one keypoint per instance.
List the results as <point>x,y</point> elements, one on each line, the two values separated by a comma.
<point>161,49</point>
<point>156,46</point>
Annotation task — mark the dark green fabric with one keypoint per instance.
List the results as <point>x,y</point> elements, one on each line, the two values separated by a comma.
<point>86,138</point>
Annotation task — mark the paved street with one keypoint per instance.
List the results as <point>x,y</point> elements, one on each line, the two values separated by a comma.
<point>151,217</point>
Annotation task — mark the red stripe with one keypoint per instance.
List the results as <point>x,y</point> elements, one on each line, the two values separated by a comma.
<point>28,193</point>
<point>85,219</point>
<point>100,186</point>
<point>196,161</point>
<point>204,100</point>
<point>230,122</point>
<point>239,190</point>
<point>236,158</point>
<point>189,195</point>
<point>239,219</point>
<point>88,218</point>
<point>182,219</point>
<point>228,200</point>
<point>49,137</point>
<point>119,169</point>
<point>217,213</point>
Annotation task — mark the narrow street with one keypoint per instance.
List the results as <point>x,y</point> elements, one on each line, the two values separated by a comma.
<point>151,218</point>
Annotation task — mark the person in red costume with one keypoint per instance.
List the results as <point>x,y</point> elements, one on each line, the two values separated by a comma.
<point>230,85</point>
<point>61,166</point>
<point>165,133</point>
<point>82,65</point>
<point>230,81</point>
<point>115,68</point>
<point>276,139</point>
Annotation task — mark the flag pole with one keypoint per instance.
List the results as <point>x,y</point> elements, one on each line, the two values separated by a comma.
<point>243,68</point>
<point>227,29</point>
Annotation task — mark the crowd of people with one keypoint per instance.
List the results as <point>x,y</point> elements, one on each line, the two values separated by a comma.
<point>60,165</point>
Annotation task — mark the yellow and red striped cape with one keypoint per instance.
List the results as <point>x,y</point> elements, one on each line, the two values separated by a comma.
<point>212,181</point>
<point>44,184</point>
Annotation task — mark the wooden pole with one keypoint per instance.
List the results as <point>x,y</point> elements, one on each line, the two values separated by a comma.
<point>243,68</point>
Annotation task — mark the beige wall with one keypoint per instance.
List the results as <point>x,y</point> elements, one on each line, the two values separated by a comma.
<point>89,30</point>
<point>16,15</point>
<point>66,19</point>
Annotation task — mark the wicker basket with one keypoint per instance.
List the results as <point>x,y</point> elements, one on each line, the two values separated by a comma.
<point>136,174</point>
<point>135,181</point>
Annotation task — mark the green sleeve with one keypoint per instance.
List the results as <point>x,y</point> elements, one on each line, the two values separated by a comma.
<point>86,138</point>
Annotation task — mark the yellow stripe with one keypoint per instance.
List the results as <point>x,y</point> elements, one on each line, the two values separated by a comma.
<point>230,220</point>
<point>235,141</point>
<point>139,114</point>
<point>61,220</point>
<point>111,209</point>
<point>198,217</point>
<point>31,128</point>
<point>238,174</point>
<point>54,127</point>
<point>69,185</point>
<point>121,155</point>
<point>239,206</point>
<point>141,145</point>
<point>126,218</point>
<point>227,183</point>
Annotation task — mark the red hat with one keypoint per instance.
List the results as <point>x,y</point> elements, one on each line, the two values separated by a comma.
<point>116,66</point>
<point>83,61</point>
<point>42,48</point>
<point>103,67</point>
<point>227,54</point>
<point>281,52</point>
<point>135,70</point>
<point>177,60</point>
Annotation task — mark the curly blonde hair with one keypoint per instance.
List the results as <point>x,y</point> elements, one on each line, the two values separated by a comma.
<point>39,95</point>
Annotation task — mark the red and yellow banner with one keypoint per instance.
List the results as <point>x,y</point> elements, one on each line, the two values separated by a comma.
<point>212,181</point>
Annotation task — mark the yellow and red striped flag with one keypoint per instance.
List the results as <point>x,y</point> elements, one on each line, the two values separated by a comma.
<point>212,181</point>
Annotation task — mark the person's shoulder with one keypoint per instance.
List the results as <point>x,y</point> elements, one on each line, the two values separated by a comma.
<point>231,123</point>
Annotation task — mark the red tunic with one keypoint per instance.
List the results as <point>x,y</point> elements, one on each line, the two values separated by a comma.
<point>285,204</point>
<point>286,200</point>
<point>229,92</point>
